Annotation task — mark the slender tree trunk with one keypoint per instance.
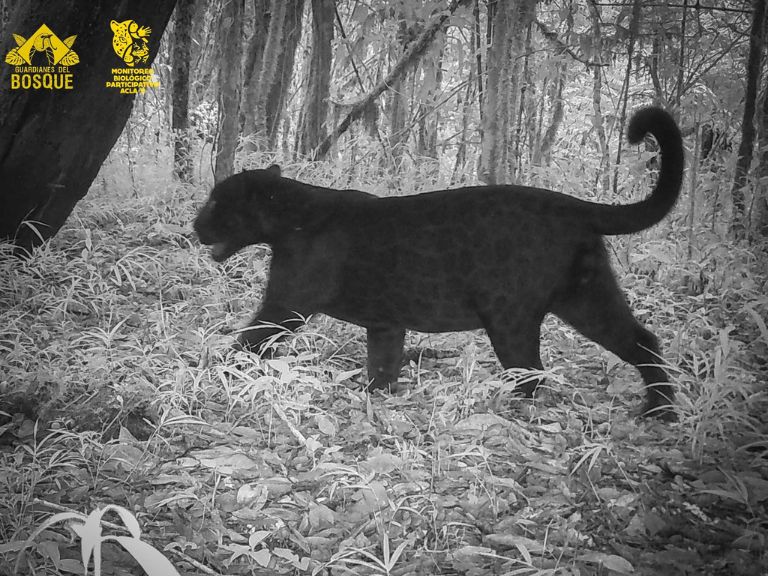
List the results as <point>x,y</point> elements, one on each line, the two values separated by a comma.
<point>461,150</point>
<point>182,50</point>
<point>429,113</point>
<point>230,82</point>
<point>603,175</point>
<point>653,65</point>
<point>312,127</point>
<point>526,90</point>
<point>681,63</point>
<point>603,171</point>
<point>739,224</point>
<point>633,32</point>
<point>476,39</point>
<point>761,192</point>
<point>53,142</point>
<point>544,156</point>
<point>693,186</point>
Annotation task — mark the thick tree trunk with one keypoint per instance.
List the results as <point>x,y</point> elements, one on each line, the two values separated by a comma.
<point>509,22</point>
<point>53,142</point>
<point>269,67</point>
<point>286,58</point>
<point>312,128</point>
<point>739,225</point>
<point>230,83</point>
<point>397,100</point>
<point>205,52</point>
<point>496,110</point>
<point>252,71</point>
<point>182,51</point>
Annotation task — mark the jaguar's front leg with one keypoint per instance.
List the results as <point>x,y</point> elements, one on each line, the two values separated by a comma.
<point>385,355</point>
<point>272,323</point>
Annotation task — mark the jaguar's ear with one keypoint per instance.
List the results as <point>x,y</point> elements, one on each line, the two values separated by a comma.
<point>274,170</point>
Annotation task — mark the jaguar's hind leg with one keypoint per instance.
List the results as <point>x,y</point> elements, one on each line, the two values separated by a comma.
<point>385,355</point>
<point>271,323</point>
<point>515,335</point>
<point>596,307</point>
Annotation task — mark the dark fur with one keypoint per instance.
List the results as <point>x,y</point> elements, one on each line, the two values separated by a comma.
<point>493,257</point>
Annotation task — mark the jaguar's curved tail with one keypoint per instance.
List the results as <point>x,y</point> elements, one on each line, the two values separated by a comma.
<point>630,218</point>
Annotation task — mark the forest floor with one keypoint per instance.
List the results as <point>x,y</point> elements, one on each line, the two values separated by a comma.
<point>118,386</point>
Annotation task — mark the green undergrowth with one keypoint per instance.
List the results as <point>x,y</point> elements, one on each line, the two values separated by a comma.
<point>118,386</point>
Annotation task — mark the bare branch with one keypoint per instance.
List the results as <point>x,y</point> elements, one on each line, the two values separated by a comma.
<point>553,39</point>
<point>409,58</point>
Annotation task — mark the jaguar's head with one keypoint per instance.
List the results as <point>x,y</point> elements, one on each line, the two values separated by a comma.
<point>240,212</point>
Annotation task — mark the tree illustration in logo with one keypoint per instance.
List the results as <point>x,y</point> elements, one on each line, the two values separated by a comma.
<point>57,52</point>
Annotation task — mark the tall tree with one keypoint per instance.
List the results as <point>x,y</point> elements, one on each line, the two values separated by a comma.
<point>53,142</point>
<point>509,23</point>
<point>543,152</point>
<point>604,175</point>
<point>761,193</point>
<point>429,114</point>
<point>269,67</point>
<point>634,27</point>
<point>739,224</point>
<point>496,109</point>
<point>182,52</point>
<point>312,128</point>
<point>474,82</point>
<point>230,82</point>
<point>276,96</point>
<point>205,54</point>
<point>524,86</point>
<point>397,101</point>
<point>252,70</point>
